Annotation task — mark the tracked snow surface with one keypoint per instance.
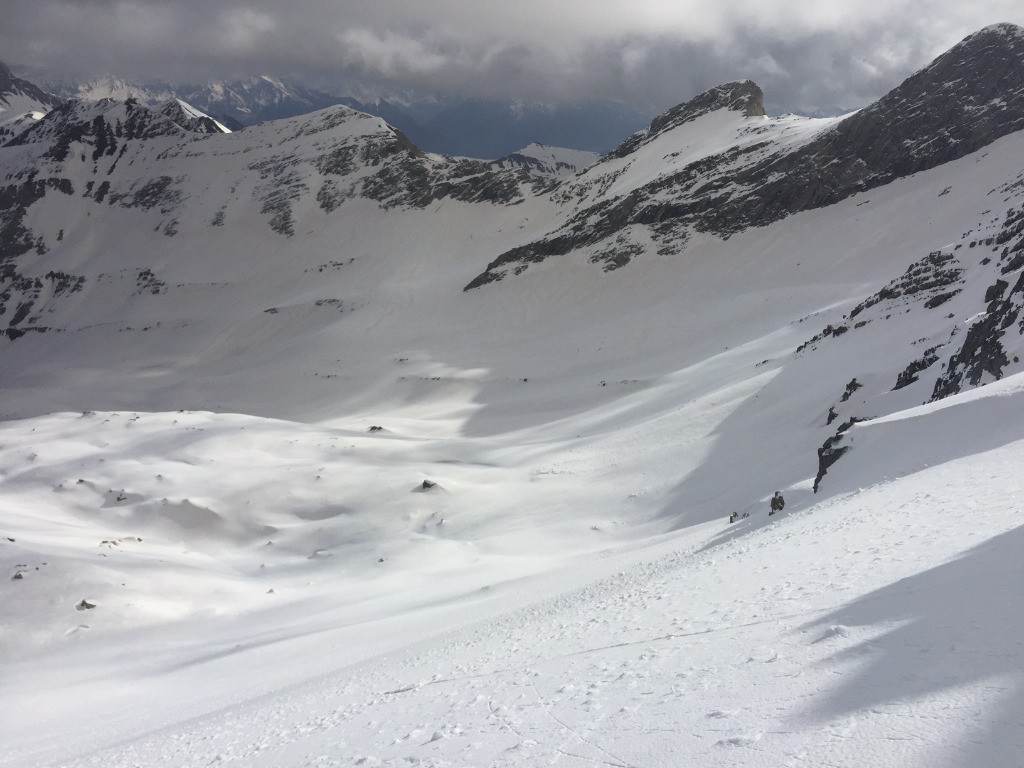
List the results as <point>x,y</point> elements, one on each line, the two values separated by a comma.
<point>319,450</point>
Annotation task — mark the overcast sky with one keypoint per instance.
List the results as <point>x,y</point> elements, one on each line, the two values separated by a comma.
<point>806,54</point>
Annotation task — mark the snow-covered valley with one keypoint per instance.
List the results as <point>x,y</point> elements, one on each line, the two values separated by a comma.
<point>320,450</point>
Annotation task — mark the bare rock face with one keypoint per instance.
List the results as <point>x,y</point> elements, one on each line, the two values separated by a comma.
<point>967,98</point>
<point>983,353</point>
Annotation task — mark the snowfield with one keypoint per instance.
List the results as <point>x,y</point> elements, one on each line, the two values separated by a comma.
<point>255,623</point>
<point>275,490</point>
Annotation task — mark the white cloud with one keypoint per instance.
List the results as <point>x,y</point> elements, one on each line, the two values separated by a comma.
<point>806,54</point>
<point>389,54</point>
<point>243,27</point>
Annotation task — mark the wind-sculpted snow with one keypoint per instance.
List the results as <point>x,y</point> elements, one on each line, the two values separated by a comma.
<point>872,625</point>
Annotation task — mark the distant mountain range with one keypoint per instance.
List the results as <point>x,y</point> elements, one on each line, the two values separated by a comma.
<point>469,128</point>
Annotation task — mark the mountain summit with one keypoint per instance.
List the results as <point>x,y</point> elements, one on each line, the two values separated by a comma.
<point>744,97</point>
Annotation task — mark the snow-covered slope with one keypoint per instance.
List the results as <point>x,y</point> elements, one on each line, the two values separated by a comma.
<point>278,491</point>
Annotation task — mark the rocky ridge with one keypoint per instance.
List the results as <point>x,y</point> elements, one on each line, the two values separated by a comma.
<point>970,96</point>
<point>128,155</point>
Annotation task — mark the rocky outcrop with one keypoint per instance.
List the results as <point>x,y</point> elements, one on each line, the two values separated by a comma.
<point>983,354</point>
<point>743,96</point>
<point>831,450</point>
<point>930,282</point>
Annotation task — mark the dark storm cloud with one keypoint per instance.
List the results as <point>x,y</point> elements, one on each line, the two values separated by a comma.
<point>806,55</point>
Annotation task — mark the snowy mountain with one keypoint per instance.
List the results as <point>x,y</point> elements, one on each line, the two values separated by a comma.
<point>321,449</point>
<point>459,127</point>
<point>21,103</point>
<point>550,161</point>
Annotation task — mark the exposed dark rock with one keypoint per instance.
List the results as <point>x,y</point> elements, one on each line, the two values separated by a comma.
<point>911,373</point>
<point>155,193</point>
<point>928,275</point>
<point>85,605</point>
<point>15,199</point>
<point>25,293</point>
<point>831,451</point>
<point>924,282</point>
<point>147,282</point>
<point>995,292</point>
<point>340,161</point>
<point>982,351</point>
<point>852,387</point>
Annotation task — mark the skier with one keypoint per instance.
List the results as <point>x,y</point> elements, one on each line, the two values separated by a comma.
<point>777,503</point>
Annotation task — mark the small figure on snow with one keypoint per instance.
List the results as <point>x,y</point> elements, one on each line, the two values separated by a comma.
<point>777,504</point>
<point>734,517</point>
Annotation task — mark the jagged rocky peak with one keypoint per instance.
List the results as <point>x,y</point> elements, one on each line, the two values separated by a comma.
<point>190,118</point>
<point>100,124</point>
<point>743,96</point>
